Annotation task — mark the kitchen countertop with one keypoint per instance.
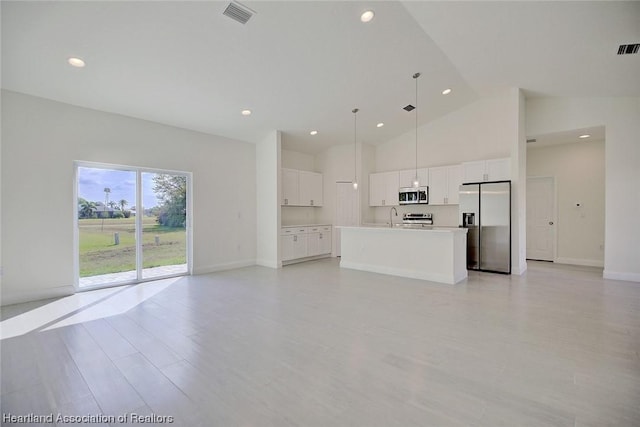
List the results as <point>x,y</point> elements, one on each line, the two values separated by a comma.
<point>412,227</point>
<point>305,225</point>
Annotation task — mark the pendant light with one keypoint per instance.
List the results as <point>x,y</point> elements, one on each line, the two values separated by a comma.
<point>355,149</point>
<point>416,183</point>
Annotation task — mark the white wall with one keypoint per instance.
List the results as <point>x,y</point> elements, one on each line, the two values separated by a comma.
<point>516,125</point>
<point>337,165</point>
<point>1,262</point>
<point>367,167</point>
<point>268,220</point>
<point>579,174</point>
<point>41,140</point>
<point>296,160</point>
<point>621,118</point>
<point>476,132</point>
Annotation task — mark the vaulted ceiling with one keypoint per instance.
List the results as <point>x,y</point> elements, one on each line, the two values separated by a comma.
<point>302,66</point>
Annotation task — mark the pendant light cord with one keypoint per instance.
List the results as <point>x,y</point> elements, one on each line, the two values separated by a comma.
<point>355,147</point>
<point>415,76</point>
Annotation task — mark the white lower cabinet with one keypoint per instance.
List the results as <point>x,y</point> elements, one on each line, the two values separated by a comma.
<point>286,246</point>
<point>303,242</point>
<point>313,243</point>
<point>325,239</point>
<point>300,247</point>
<point>319,240</point>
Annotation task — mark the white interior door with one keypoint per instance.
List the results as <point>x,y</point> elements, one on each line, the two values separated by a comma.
<point>540,218</point>
<point>346,210</point>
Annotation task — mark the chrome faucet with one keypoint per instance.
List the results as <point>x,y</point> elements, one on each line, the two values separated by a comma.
<point>391,217</point>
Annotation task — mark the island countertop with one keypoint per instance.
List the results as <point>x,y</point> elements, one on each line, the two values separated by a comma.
<point>436,254</point>
<point>401,227</point>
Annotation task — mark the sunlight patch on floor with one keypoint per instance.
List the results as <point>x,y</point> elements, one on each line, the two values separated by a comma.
<point>82,307</point>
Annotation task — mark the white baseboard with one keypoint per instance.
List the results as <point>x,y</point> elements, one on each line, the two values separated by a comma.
<point>309,258</point>
<point>268,263</point>
<point>9,298</point>
<point>617,275</point>
<point>412,274</point>
<point>519,270</point>
<point>224,266</point>
<point>580,261</point>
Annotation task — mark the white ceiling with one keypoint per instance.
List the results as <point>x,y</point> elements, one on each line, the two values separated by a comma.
<point>548,48</point>
<point>305,65</point>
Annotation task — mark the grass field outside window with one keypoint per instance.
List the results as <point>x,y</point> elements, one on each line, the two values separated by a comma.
<point>100,255</point>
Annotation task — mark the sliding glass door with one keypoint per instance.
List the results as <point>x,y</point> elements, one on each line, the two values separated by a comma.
<point>164,229</point>
<point>132,224</point>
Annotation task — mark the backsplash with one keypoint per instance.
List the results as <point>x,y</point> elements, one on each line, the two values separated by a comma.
<point>443,216</point>
<point>297,215</point>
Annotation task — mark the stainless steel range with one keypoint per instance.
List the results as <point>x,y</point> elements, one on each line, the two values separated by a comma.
<point>417,219</point>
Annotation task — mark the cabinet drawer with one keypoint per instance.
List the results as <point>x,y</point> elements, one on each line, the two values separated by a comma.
<point>284,231</point>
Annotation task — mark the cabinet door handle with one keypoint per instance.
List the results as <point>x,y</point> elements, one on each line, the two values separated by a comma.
<point>311,202</point>
<point>286,201</point>
<point>321,235</point>
<point>550,222</point>
<point>383,203</point>
<point>295,238</point>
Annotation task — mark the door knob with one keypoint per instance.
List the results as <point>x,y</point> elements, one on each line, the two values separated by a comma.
<point>550,222</point>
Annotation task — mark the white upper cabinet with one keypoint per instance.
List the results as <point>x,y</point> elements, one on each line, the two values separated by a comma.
<point>487,170</point>
<point>310,188</point>
<point>301,188</point>
<point>499,169</point>
<point>444,183</point>
<point>454,180</point>
<point>407,176</point>
<point>438,187</point>
<point>474,171</point>
<point>376,189</point>
<point>383,188</point>
<point>290,187</point>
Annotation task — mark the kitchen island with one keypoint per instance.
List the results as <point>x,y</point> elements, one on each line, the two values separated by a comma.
<point>438,254</point>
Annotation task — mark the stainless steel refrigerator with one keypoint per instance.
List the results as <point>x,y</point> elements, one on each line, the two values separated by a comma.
<point>485,210</point>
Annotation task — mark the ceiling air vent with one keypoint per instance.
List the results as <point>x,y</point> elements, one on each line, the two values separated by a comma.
<point>628,49</point>
<point>238,12</point>
<point>531,140</point>
<point>409,108</point>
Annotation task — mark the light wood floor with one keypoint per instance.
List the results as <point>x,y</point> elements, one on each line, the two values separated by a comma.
<point>316,345</point>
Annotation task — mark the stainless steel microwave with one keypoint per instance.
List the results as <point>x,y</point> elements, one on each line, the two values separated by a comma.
<point>413,195</point>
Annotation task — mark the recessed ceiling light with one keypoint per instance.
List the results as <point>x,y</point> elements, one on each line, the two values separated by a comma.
<point>246,112</point>
<point>367,16</point>
<point>76,62</point>
<point>446,91</point>
<point>313,132</point>
<point>379,125</point>
<point>586,135</point>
